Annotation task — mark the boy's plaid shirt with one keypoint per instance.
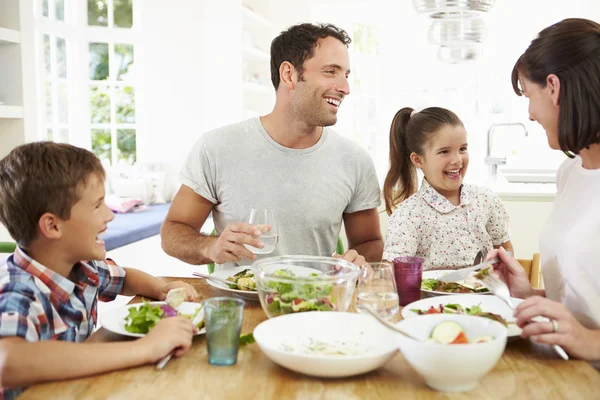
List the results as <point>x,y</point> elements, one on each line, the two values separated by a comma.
<point>37,303</point>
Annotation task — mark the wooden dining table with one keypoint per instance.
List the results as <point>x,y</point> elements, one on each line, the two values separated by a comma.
<point>525,371</point>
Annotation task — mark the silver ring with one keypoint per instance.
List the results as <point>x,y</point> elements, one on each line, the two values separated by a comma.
<point>554,325</point>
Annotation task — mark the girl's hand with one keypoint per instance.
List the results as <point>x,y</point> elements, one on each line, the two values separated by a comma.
<point>512,273</point>
<point>190,292</point>
<point>566,331</point>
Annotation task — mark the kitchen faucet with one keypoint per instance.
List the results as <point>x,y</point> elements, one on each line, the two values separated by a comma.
<point>493,162</point>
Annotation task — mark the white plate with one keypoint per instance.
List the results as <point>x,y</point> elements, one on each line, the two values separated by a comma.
<point>114,321</point>
<point>437,275</point>
<point>490,304</point>
<point>286,340</point>
<point>226,273</point>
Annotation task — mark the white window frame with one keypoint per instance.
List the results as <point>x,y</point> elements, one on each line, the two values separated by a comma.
<point>78,35</point>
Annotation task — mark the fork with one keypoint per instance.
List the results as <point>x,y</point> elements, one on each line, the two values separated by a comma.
<point>197,319</point>
<point>499,289</point>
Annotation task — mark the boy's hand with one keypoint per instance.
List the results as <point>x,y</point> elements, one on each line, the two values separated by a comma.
<point>168,335</point>
<point>190,292</point>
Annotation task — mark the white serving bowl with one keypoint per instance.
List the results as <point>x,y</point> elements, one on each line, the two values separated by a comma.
<point>453,367</point>
<point>287,340</point>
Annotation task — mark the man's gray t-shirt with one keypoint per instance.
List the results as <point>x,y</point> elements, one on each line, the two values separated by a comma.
<point>240,166</point>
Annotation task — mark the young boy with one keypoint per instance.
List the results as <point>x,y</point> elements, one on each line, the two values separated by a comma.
<point>52,203</point>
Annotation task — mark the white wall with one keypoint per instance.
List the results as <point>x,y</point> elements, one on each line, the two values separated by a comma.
<point>191,71</point>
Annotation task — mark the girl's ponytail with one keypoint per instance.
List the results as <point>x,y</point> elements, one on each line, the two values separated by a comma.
<point>401,180</point>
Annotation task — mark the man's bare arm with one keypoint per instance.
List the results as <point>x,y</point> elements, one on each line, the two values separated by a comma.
<point>180,233</point>
<point>364,234</point>
<point>181,237</point>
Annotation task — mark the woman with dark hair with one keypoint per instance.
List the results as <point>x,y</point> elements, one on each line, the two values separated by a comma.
<point>560,75</point>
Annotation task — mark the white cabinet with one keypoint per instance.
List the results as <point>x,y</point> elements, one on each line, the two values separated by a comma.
<point>258,94</point>
<point>527,219</point>
<point>17,89</point>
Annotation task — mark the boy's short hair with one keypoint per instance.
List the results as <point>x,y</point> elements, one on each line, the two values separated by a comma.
<point>42,177</point>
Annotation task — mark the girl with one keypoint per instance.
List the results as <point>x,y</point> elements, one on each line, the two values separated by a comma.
<point>449,224</point>
<point>558,73</point>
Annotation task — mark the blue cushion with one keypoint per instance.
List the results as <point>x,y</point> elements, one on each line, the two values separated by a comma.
<point>131,227</point>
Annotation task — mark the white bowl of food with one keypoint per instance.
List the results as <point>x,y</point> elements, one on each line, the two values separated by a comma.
<point>327,345</point>
<point>455,351</point>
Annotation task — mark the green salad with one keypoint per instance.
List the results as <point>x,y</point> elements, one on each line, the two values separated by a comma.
<point>286,298</point>
<point>436,285</point>
<point>143,318</point>
<point>458,309</point>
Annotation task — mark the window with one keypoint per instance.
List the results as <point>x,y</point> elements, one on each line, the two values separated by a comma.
<point>55,74</point>
<point>112,101</point>
<point>87,76</point>
<point>111,82</point>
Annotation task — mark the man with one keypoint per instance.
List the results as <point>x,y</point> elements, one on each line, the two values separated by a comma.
<point>286,160</point>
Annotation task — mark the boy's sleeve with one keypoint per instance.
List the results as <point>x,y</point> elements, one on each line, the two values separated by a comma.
<point>18,316</point>
<point>112,278</point>
<point>402,237</point>
<point>498,223</point>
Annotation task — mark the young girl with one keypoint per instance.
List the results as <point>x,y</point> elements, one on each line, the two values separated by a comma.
<point>448,223</point>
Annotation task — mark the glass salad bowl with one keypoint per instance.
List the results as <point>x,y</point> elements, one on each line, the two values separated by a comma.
<point>292,284</point>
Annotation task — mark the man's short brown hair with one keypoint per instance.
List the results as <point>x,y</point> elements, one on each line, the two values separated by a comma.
<point>42,177</point>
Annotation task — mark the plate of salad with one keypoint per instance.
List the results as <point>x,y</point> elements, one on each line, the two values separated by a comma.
<point>137,319</point>
<point>490,307</point>
<point>242,280</point>
<point>431,283</point>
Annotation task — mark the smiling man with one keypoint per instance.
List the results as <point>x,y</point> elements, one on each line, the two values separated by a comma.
<point>288,160</point>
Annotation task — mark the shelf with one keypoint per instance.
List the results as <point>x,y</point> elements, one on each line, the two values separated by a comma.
<point>15,112</point>
<point>259,19</point>
<point>258,87</point>
<point>9,36</point>
<point>255,54</point>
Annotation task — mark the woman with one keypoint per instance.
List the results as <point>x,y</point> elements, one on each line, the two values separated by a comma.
<point>560,75</point>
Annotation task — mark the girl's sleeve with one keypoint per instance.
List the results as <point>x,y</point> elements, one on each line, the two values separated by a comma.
<point>498,222</point>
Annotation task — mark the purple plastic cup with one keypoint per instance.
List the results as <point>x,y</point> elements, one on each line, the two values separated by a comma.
<point>408,272</point>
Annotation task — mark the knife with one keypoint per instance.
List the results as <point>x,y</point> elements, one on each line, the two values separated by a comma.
<point>464,273</point>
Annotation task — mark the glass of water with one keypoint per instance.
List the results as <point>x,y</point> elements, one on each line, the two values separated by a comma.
<point>223,317</point>
<point>262,219</point>
<point>378,291</point>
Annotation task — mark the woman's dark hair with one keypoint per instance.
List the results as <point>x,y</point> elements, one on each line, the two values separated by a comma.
<point>411,134</point>
<point>297,44</point>
<point>569,49</point>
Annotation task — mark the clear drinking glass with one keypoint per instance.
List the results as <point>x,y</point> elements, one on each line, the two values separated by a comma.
<point>223,318</point>
<point>261,218</point>
<point>378,291</point>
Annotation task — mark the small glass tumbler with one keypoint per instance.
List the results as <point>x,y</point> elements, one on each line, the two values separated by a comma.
<point>223,317</point>
<point>408,272</point>
<point>377,290</point>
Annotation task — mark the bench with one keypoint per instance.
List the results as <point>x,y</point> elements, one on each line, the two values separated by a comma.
<point>131,227</point>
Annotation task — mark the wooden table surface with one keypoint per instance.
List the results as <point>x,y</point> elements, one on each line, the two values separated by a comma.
<point>525,371</point>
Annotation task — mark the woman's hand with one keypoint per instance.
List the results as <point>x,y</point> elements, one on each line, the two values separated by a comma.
<point>565,331</point>
<point>512,273</point>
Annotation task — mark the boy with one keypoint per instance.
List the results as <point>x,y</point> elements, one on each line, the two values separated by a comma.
<point>52,203</point>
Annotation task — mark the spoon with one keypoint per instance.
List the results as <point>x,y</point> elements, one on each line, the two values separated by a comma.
<point>390,325</point>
